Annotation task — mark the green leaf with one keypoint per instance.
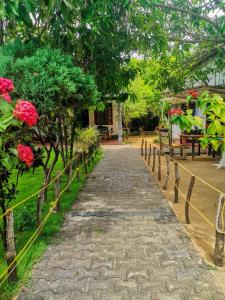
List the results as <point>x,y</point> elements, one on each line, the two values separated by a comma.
<point>7,162</point>
<point>215,144</point>
<point>13,151</point>
<point>189,111</point>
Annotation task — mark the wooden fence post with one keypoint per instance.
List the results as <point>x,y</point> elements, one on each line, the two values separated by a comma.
<point>40,200</point>
<point>77,160</point>
<point>57,192</point>
<point>142,146</point>
<point>166,179</point>
<point>78,174</point>
<point>10,246</point>
<point>146,150</point>
<point>220,235</point>
<point>177,182</point>
<point>85,162</point>
<point>159,165</point>
<point>153,163</point>
<point>188,199</point>
<point>88,156</point>
<point>70,170</point>
<point>149,154</point>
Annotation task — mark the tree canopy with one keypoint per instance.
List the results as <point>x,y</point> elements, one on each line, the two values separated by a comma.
<point>102,36</point>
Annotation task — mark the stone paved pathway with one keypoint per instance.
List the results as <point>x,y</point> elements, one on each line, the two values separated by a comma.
<point>121,241</point>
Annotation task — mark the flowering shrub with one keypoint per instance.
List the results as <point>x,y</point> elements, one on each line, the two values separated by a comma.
<point>175,111</point>
<point>6,86</point>
<point>6,97</point>
<point>26,112</point>
<point>11,147</point>
<point>186,120</point>
<point>25,154</point>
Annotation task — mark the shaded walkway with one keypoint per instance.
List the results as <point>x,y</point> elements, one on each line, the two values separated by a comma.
<point>121,241</point>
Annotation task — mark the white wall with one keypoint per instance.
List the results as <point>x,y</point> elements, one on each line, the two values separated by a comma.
<point>215,78</point>
<point>198,112</point>
<point>113,129</point>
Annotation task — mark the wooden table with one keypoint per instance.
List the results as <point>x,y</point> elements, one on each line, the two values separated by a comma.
<point>194,138</point>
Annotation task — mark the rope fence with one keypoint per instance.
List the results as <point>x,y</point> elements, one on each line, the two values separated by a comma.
<point>153,155</point>
<point>10,272</point>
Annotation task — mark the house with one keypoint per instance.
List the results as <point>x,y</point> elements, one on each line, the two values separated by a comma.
<point>214,83</point>
<point>179,101</point>
<point>106,119</point>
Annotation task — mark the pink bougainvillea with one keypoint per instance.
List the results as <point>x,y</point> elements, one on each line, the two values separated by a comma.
<point>26,112</point>
<point>6,97</point>
<point>25,154</point>
<point>6,85</point>
<point>175,111</point>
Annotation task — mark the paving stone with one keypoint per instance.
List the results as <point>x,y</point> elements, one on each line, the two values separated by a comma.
<point>121,241</point>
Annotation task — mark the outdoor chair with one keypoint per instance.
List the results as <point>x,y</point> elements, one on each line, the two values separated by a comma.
<point>104,132</point>
<point>167,145</point>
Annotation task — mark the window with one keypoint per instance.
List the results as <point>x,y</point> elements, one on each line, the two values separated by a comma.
<point>104,117</point>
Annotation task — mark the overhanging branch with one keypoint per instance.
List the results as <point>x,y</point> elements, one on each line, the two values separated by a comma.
<point>190,12</point>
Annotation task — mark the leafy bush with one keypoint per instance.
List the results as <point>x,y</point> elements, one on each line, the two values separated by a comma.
<point>87,138</point>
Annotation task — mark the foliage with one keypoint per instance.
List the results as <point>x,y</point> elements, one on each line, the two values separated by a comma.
<point>88,138</point>
<point>16,153</point>
<point>135,108</point>
<point>147,96</point>
<point>59,90</point>
<point>186,121</point>
<point>102,36</point>
<point>213,106</point>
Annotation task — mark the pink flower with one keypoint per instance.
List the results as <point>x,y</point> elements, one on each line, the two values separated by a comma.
<point>25,111</point>
<point>25,154</point>
<point>6,97</point>
<point>175,111</point>
<point>6,85</point>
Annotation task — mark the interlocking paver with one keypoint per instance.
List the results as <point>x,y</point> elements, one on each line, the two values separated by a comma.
<point>121,241</point>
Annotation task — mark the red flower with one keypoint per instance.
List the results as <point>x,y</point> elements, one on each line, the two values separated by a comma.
<point>6,97</point>
<point>25,154</point>
<point>6,85</point>
<point>175,111</point>
<point>193,93</point>
<point>26,112</point>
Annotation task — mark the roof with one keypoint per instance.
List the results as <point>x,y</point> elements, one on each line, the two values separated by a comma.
<point>181,98</point>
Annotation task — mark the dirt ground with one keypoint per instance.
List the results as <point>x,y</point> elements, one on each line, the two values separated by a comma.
<point>203,197</point>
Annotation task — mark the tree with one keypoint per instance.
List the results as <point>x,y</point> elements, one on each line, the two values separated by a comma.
<point>16,154</point>
<point>59,90</point>
<point>214,108</point>
<point>137,106</point>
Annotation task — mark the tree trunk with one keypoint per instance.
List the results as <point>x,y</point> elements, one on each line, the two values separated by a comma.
<point>222,161</point>
<point>11,248</point>
<point>120,125</point>
<point>220,236</point>
<point>1,32</point>
<point>4,224</point>
<point>42,197</point>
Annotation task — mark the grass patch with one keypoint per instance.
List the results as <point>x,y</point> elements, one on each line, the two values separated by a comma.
<point>25,221</point>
